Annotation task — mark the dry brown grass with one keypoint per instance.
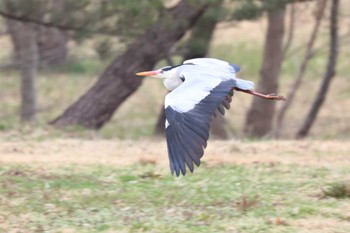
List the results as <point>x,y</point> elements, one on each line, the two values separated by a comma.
<point>318,225</point>
<point>57,152</point>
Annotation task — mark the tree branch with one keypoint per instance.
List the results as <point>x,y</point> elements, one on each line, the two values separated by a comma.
<point>290,31</point>
<point>26,19</point>
<point>301,70</point>
<point>329,74</point>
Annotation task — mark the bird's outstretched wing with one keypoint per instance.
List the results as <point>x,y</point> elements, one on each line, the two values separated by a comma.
<point>189,109</point>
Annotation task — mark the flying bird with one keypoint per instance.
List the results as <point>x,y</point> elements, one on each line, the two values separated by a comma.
<point>200,89</point>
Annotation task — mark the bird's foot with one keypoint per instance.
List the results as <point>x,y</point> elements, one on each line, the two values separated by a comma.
<point>273,96</point>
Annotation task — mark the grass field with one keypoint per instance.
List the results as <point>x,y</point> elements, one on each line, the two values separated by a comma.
<point>124,186</point>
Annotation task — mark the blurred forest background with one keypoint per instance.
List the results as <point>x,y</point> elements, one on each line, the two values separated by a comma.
<point>70,65</point>
<point>78,144</point>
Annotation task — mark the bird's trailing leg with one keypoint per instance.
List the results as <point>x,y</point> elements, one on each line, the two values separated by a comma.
<point>265,96</point>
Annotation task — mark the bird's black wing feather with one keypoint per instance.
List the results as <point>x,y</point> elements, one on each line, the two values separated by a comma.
<point>237,68</point>
<point>187,132</point>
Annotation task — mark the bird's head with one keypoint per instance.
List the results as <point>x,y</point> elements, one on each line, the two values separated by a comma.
<point>165,72</point>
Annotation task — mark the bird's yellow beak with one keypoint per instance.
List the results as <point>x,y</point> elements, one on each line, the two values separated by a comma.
<point>148,73</point>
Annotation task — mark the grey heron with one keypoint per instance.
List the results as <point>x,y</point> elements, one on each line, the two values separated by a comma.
<point>200,89</point>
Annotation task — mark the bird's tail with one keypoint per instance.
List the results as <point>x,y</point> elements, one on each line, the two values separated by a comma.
<point>244,84</point>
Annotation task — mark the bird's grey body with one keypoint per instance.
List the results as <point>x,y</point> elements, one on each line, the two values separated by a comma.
<point>199,88</point>
<point>174,77</point>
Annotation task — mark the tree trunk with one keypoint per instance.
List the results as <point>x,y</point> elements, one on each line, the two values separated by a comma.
<point>52,42</point>
<point>159,129</point>
<point>118,82</point>
<point>52,46</point>
<point>329,74</point>
<point>260,116</point>
<point>299,77</point>
<point>220,129</point>
<point>24,40</point>
<point>291,30</point>
<point>197,46</point>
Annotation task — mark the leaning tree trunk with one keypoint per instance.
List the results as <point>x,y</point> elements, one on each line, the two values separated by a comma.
<point>118,81</point>
<point>197,46</point>
<point>24,40</point>
<point>260,116</point>
<point>329,74</point>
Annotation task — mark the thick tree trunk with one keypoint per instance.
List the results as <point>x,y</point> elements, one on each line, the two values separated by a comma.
<point>260,116</point>
<point>24,39</point>
<point>118,81</point>
<point>197,46</point>
<point>329,74</point>
<point>299,77</point>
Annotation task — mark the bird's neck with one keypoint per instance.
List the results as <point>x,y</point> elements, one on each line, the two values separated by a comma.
<point>172,82</point>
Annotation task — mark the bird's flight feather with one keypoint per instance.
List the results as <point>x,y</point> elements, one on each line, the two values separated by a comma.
<point>189,109</point>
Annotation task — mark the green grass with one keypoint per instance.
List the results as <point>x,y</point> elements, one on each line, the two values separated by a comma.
<point>144,198</point>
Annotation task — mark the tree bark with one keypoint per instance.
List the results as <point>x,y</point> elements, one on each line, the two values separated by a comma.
<point>329,74</point>
<point>118,81</point>
<point>51,42</point>
<point>52,46</point>
<point>260,116</point>
<point>299,77</point>
<point>197,46</point>
<point>24,40</point>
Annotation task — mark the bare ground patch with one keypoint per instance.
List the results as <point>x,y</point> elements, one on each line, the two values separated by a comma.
<point>322,225</point>
<point>58,152</point>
